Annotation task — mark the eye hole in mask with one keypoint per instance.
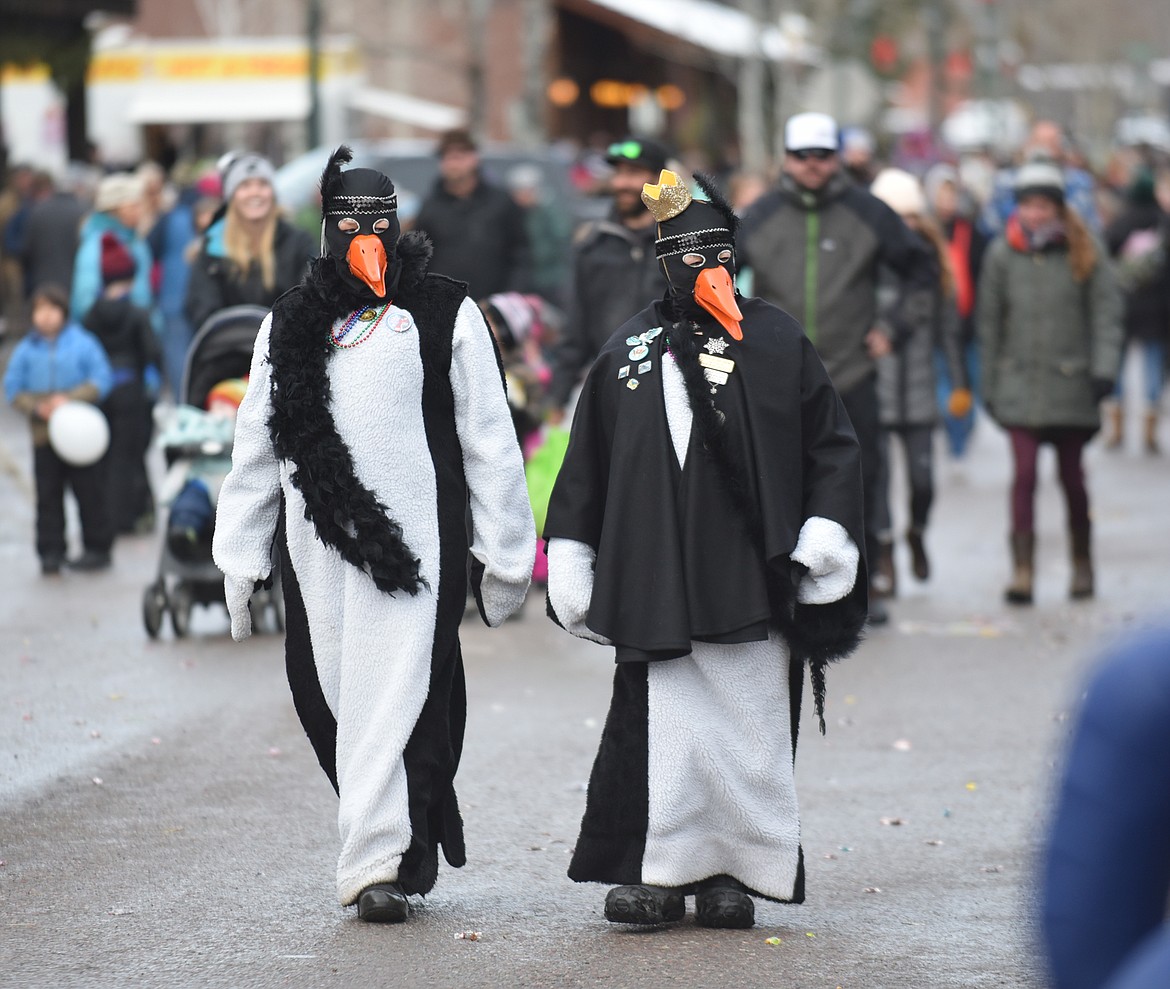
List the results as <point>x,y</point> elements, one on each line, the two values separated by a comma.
<point>381,226</point>
<point>348,225</point>
<point>724,257</point>
<point>694,260</point>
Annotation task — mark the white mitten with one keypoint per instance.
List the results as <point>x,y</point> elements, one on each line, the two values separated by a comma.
<point>570,586</point>
<point>501,598</point>
<point>238,592</point>
<point>831,557</point>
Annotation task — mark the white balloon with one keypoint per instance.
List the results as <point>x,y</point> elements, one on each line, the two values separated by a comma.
<point>79,433</point>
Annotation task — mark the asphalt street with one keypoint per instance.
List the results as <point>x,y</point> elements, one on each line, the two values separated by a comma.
<point>163,822</point>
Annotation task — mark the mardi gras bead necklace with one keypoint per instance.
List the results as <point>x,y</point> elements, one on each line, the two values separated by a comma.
<point>368,317</point>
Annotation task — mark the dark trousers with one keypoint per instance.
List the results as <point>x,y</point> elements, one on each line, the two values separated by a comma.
<point>861,403</point>
<point>1070,445</point>
<point>89,488</point>
<point>918,447</point>
<point>127,486</point>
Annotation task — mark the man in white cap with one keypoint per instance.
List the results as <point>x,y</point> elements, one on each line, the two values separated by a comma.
<point>815,244</point>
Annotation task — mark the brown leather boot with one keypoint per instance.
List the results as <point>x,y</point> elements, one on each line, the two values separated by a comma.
<point>919,560</point>
<point>1151,432</point>
<point>1019,591</point>
<point>1116,423</point>
<point>1082,565</point>
<point>884,582</point>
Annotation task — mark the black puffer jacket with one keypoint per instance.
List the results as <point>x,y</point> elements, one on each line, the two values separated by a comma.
<point>615,276</point>
<point>216,281</point>
<point>126,335</point>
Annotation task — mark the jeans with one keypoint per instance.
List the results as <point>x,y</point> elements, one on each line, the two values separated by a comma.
<point>1153,371</point>
<point>958,430</point>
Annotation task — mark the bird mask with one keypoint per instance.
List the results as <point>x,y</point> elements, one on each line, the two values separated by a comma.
<point>359,226</point>
<point>696,246</point>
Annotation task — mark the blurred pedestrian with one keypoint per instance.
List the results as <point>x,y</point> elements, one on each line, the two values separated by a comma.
<point>53,235</point>
<point>1138,240</point>
<point>928,323</point>
<point>117,211</point>
<point>478,232</point>
<point>14,200</point>
<point>1050,329</point>
<point>249,255</point>
<point>858,154</point>
<point>126,335</point>
<point>950,205</point>
<point>58,362</point>
<point>815,245</point>
<point>549,231</point>
<point>1106,871</point>
<point>615,271</point>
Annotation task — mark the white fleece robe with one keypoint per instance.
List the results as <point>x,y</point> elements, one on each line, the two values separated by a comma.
<point>722,796</point>
<point>373,650</point>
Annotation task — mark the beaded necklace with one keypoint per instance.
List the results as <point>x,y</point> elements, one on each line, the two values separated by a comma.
<point>337,337</point>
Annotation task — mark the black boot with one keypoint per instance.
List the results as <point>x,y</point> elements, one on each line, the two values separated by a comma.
<point>723,902</point>
<point>90,560</point>
<point>919,560</point>
<point>644,905</point>
<point>383,903</point>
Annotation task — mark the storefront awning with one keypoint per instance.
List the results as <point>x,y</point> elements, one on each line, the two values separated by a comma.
<point>220,102</point>
<point>407,109</point>
<point>721,29</point>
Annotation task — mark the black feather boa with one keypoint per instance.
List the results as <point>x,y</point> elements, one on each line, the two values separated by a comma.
<point>816,634</point>
<point>346,514</point>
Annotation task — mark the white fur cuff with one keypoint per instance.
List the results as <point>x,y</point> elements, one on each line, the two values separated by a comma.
<point>570,586</point>
<point>501,598</point>
<point>238,593</point>
<point>831,557</point>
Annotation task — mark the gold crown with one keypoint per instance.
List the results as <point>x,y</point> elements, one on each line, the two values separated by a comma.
<point>666,198</point>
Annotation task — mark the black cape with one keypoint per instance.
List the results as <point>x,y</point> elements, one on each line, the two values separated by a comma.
<point>702,553</point>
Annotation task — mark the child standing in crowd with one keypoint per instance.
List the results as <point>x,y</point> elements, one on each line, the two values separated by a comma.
<point>127,336</point>
<point>58,362</point>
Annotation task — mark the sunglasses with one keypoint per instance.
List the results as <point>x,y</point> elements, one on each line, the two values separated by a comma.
<point>817,154</point>
<point>631,150</point>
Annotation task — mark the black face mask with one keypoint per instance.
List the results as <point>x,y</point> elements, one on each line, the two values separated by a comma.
<point>361,232</point>
<point>697,254</point>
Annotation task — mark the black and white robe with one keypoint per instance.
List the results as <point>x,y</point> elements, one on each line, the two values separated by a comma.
<point>377,678</point>
<point>688,571</point>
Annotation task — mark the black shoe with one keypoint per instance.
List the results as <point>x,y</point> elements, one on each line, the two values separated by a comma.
<point>91,559</point>
<point>51,566</point>
<point>722,902</point>
<point>878,615</point>
<point>383,903</point>
<point>644,905</point>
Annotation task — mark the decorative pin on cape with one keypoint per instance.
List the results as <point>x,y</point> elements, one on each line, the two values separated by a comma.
<point>696,246</point>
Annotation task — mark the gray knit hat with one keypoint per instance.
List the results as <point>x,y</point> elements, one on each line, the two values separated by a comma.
<point>239,167</point>
<point>1039,178</point>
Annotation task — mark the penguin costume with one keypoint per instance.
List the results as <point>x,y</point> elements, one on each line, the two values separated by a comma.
<point>707,524</point>
<point>375,412</point>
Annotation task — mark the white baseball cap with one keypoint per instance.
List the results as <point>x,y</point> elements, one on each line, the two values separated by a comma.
<point>811,131</point>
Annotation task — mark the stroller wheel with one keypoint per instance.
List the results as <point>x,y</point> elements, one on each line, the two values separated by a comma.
<point>154,603</point>
<point>181,605</point>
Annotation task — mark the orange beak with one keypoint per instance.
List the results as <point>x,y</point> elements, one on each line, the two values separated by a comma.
<point>715,293</point>
<point>367,260</point>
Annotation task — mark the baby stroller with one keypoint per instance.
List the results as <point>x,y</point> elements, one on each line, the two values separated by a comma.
<point>187,576</point>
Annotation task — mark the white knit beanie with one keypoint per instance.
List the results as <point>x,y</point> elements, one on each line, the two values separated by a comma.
<point>899,190</point>
<point>117,190</point>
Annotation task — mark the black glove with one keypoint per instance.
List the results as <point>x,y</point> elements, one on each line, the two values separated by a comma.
<point>1102,388</point>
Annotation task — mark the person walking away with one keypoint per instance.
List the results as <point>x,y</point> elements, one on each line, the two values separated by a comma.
<point>58,362</point>
<point>1137,239</point>
<point>118,211</point>
<point>815,245</point>
<point>906,377</point>
<point>250,255</point>
<point>950,206</point>
<point>1050,329</point>
<point>615,272</point>
<point>477,230</point>
<point>128,339</point>
<point>14,203</point>
<point>52,236</point>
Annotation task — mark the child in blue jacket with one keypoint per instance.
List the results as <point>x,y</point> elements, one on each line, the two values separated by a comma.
<point>58,362</point>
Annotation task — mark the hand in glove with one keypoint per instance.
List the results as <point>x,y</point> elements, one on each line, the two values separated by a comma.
<point>831,557</point>
<point>570,586</point>
<point>239,593</point>
<point>959,403</point>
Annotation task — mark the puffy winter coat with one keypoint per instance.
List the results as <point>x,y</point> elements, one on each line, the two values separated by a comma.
<point>1045,336</point>
<point>87,269</point>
